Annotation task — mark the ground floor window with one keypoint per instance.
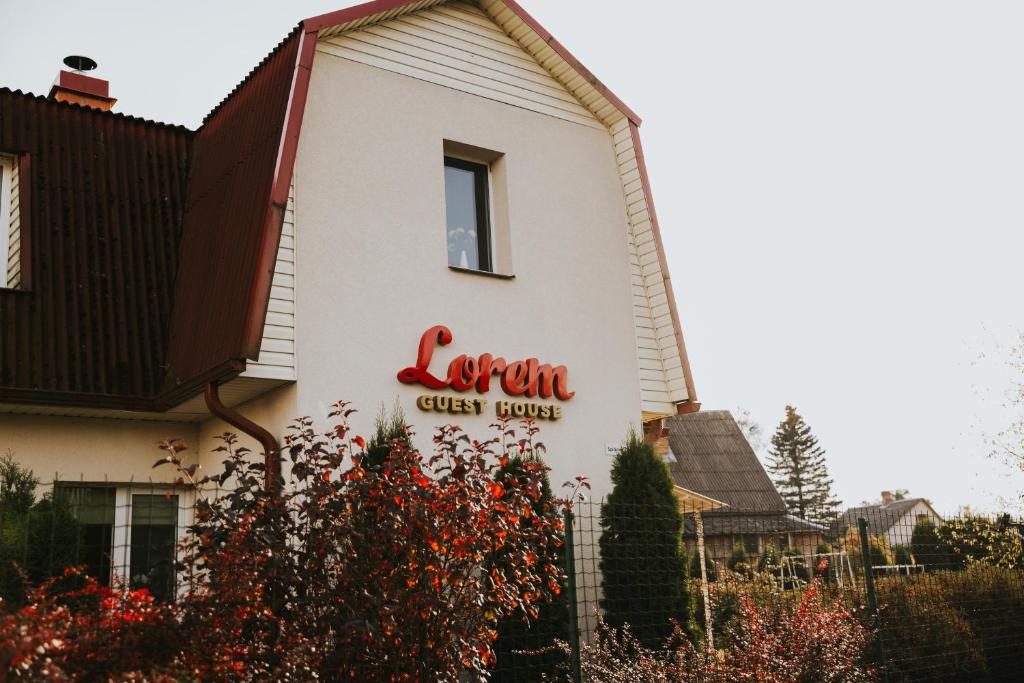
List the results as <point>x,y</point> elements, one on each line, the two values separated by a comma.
<point>128,538</point>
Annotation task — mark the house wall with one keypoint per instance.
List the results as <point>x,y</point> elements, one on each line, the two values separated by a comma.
<point>372,274</point>
<point>460,46</point>
<point>719,548</point>
<point>901,532</point>
<point>92,449</point>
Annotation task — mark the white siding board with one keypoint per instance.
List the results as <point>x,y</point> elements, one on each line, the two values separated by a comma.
<point>278,346</point>
<point>281,318</point>
<point>429,49</point>
<point>277,349</point>
<point>463,67</point>
<point>282,294</point>
<point>12,269</point>
<point>662,380</point>
<point>458,46</point>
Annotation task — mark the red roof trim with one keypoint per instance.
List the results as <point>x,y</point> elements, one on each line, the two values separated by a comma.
<point>684,360</point>
<point>256,315</point>
<point>25,219</point>
<point>573,62</point>
<point>343,16</point>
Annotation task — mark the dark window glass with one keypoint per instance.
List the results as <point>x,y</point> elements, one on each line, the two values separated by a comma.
<point>154,538</point>
<point>750,544</point>
<point>93,510</point>
<point>466,214</point>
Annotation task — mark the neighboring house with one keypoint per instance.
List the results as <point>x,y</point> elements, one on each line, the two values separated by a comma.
<point>405,202</point>
<point>707,454</point>
<point>893,519</point>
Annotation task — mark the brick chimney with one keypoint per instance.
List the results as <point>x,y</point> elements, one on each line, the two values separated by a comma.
<point>74,86</point>
<point>656,434</point>
<point>886,497</point>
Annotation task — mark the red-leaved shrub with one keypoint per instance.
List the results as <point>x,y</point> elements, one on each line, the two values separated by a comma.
<point>393,569</point>
<point>814,640</point>
<point>74,629</point>
<point>363,563</point>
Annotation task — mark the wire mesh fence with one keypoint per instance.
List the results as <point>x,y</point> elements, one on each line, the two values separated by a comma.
<point>123,534</point>
<point>942,595</point>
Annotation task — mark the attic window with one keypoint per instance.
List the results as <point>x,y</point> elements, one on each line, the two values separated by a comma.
<point>10,223</point>
<point>467,213</point>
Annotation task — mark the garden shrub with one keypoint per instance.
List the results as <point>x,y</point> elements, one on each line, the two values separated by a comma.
<point>769,560</point>
<point>923,634</point>
<point>527,648</point>
<point>398,571</point>
<point>737,560</point>
<point>378,573</point>
<point>813,639</point>
<point>991,600</point>
<point>927,548</point>
<point>38,539</point>
<point>901,555</point>
<point>710,568</point>
<point>643,563</point>
<point>89,633</point>
<point>969,540</point>
<point>878,547</point>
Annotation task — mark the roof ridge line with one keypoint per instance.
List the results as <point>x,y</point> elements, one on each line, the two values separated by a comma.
<point>99,112</point>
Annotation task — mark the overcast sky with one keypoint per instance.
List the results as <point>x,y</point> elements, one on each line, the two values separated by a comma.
<point>838,186</point>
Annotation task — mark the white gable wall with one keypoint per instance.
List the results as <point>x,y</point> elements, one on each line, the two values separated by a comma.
<point>459,46</point>
<point>456,45</point>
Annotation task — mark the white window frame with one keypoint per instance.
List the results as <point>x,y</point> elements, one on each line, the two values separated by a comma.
<point>121,541</point>
<point>6,175</point>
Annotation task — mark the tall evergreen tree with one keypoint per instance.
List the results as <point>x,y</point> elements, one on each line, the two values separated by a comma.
<point>643,563</point>
<point>797,465</point>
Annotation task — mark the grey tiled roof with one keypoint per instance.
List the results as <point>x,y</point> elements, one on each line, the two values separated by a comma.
<point>713,458</point>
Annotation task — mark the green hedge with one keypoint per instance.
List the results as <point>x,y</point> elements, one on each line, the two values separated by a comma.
<point>953,625</point>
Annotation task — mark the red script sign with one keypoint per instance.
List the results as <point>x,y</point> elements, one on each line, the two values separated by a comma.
<point>518,378</point>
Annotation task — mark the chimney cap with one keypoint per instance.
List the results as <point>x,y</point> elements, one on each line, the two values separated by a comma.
<point>80,63</point>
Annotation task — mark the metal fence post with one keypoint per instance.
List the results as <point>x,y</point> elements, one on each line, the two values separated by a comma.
<point>574,619</point>
<point>869,585</point>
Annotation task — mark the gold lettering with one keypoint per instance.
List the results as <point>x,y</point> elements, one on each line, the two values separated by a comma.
<point>556,412</point>
<point>425,402</point>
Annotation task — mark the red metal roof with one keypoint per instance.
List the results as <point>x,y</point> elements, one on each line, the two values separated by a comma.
<point>103,222</point>
<point>226,236</point>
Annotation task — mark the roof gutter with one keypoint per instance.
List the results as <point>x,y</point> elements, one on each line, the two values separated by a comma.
<point>272,463</point>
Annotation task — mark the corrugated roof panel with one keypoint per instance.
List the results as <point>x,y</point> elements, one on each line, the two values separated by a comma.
<point>235,157</point>
<point>102,225</point>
